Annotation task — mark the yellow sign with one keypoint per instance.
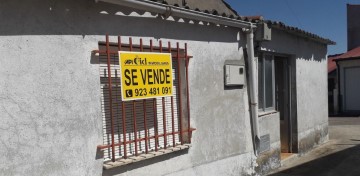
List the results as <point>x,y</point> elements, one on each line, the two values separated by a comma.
<point>145,75</point>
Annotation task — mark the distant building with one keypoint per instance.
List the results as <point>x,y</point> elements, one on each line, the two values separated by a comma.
<point>353,26</point>
<point>344,70</point>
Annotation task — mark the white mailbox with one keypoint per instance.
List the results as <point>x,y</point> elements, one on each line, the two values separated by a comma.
<point>234,75</point>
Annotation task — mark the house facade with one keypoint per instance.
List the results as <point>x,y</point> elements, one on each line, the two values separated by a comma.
<point>349,85</point>
<point>244,90</point>
<point>347,72</point>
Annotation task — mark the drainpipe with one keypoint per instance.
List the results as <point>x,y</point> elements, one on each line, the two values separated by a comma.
<point>253,89</point>
<point>340,103</point>
<point>248,27</point>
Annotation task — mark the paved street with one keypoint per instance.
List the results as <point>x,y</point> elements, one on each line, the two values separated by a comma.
<point>338,157</point>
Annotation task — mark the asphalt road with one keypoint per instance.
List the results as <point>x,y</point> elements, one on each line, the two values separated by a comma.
<point>338,157</point>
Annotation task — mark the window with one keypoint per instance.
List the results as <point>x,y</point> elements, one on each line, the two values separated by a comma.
<point>266,82</point>
<point>140,129</point>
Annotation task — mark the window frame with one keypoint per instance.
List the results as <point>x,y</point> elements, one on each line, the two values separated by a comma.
<point>263,81</point>
<point>122,121</point>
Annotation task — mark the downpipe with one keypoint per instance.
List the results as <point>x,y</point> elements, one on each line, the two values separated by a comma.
<point>253,89</point>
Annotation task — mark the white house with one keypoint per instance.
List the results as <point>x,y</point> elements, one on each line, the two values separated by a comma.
<point>244,90</point>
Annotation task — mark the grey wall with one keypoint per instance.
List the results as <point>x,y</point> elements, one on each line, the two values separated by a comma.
<point>50,91</point>
<point>310,74</point>
<point>353,26</point>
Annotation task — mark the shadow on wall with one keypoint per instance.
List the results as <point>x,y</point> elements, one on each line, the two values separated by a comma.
<point>133,166</point>
<point>344,162</point>
<point>285,43</point>
<point>128,106</point>
<point>84,17</point>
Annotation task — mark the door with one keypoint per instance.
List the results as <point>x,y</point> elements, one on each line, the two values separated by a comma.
<point>283,99</point>
<point>352,86</point>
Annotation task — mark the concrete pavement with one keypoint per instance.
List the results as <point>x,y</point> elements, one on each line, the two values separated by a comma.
<point>338,157</point>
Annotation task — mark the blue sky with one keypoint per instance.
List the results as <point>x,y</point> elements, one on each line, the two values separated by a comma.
<point>326,18</point>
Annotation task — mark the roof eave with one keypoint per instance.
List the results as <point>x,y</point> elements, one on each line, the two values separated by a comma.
<point>170,10</point>
<point>346,59</point>
<point>296,31</point>
<point>304,34</point>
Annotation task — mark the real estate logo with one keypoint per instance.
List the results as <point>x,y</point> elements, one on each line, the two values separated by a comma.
<point>145,75</point>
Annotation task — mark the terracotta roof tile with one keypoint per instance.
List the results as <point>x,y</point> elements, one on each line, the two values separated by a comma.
<point>332,63</point>
<point>352,54</point>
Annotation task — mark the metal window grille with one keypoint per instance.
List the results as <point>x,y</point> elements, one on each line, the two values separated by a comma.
<point>133,128</point>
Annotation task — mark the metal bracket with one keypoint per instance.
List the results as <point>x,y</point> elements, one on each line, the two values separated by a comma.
<point>167,12</point>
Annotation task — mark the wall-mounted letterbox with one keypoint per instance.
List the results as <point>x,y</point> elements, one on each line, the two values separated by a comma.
<point>234,75</point>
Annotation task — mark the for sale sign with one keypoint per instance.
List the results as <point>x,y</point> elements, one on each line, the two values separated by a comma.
<point>145,75</point>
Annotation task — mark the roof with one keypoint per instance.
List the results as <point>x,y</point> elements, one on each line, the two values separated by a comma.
<point>215,7</point>
<point>298,31</point>
<point>350,55</point>
<point>354,53</point>
<point>331,63</point>
<point>346,59</point>
<point>221,8</point>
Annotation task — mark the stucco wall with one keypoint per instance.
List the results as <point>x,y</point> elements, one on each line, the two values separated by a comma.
<point>270,159</point>
<point>50,91</point>
<point>310,70</point>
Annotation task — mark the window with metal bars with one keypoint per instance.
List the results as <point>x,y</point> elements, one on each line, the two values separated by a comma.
<point>147,127</point>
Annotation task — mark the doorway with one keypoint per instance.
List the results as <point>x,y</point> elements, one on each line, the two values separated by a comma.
<point>283,100</point>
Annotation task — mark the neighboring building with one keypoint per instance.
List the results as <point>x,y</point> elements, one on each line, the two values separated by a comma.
<point>237,103</point>
<point>348,71</point>
<point>344,83</point>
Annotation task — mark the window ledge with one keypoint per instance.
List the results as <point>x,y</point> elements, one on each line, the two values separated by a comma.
<point>141,157</point>
<point>261,114</point>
